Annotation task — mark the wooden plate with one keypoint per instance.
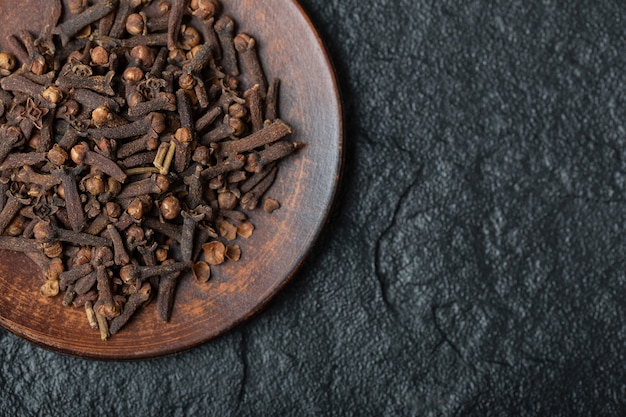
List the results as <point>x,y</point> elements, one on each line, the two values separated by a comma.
<point>290,49</point>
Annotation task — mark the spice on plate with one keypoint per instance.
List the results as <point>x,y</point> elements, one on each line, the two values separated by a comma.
<point>135,139</point>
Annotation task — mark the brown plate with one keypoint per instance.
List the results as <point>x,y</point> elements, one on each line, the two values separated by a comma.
<point>292,51</point>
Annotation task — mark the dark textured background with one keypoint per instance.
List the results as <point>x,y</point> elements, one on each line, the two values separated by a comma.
<point>474,264</point>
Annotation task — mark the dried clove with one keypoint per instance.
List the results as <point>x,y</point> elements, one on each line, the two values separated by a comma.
<point>19,244</point>
<point>11,209</point>
<point>10,137</point>
<point>82,154</point>
<point>101,84</point>
<point>254,100</point>
<point>199,61</point>
<point>105,306</point>
<point>124,10</point>
<point>232,163</point>
<point>182,141</point>
<point>131,272</point>
<point>209,117</point>
<point>250,200</point>
<point>246,47</point>
<point>165,296</point>
<point>45,41</point>
<point>279,150</point>
<point>48,232</point>
<point>163,102</point>
<point>134,302</point>
<point>75,24</point>
<point>155,184</point>
<point>28,175</point>
<point>72,198</point>
<point>189,225</point>
<point>20,84</point>
<point>36,62</point>
<point>271,101</point>
<point>273,132</point>
<point>71,276</point>
<point>174,23</point>
<point>153,39</point>
<point>194,183</point>
<point>147,142</point>
<point>120,255</point>
<point>17,160</point>
<point>153,123</point>
<point>84,284</point>
<point>224,27</point>
<point>91,315</point>
<point>116,175</point>
<point>170,230</point>
<point>140,159</point>
<point>92,100</point>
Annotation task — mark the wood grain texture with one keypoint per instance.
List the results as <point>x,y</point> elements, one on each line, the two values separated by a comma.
<point>291,50</point>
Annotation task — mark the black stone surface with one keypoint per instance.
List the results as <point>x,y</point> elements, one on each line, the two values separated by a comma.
<point>474,264</point>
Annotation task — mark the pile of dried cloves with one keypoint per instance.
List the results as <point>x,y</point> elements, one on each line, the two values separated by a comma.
<point>135,137</point>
